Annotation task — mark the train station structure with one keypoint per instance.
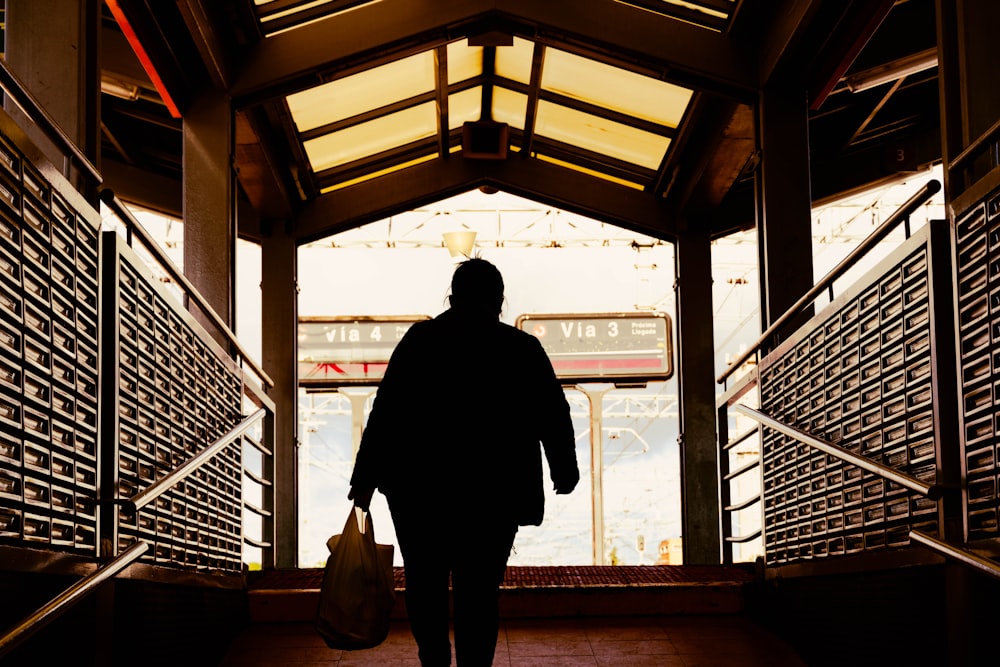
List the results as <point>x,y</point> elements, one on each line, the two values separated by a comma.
<point>140,437</point>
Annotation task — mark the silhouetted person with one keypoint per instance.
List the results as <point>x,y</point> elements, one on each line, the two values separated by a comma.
<point>452,442</point>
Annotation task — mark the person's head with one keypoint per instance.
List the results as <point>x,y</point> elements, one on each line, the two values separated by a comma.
<point>477,286</point>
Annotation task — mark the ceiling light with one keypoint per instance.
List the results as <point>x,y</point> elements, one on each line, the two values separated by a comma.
<point>119,88</point>
<point>460,243</point>
<point>892,71</point>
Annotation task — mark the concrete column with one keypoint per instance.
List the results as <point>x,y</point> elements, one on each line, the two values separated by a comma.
<point>969,85</point>
<point>209,210</point>
<point>52,47</point>
<point>700,511</point>
<point>279,293</point>
<point>784,202</point>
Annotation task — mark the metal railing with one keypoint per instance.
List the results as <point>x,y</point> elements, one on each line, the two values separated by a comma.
<point>748,382</point>
<point>728,476</point>
<point>901,215</point>
<point>135,227</point>
<point>963,556</point>
<point>932,491</point>
<point>183,471</point>
<point>65,600</point>
<point>986,142</point>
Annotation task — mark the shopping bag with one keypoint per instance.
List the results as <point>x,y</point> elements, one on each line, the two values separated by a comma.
<point>358,590</point>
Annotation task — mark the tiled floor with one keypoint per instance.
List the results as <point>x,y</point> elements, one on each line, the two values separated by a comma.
<point>665,641</point>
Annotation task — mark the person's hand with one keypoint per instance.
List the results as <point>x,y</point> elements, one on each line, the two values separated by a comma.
<point>362,497</point>
<point>565,485</point>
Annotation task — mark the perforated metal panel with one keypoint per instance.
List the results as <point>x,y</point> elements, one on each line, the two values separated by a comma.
<point>48,363</point>
<point>177,393</point>
<point>859,374</point>
<point>977,235</point>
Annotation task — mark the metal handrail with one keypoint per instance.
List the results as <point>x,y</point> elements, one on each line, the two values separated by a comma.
<point>932,491</point>
<point>742,470</point>
<point>62,602</point>
<point>30,106</point>
<point>975,147</point>
<point>738,507</point>
<point>964,556</point>
<point>88,584</point>
<point>900,215</point>
<point>740,539</point>
<point>108,197</point>
<point>257,510</point>
<point>254,477</point>
<point>260,544</point>
<point>260,447</point>
<point>740,439</point>
<point>181,472</point>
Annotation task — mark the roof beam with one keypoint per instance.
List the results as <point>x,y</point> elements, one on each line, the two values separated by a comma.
<point>258,173</point>
<point>387,195</point>
<point>584,194</point>
<point>534,88</point>
<point>380,32</point>
<point>366,36</point>
<point>688,55</point>
<point>206,40</point>
<point>432,181</point>
<point>441,100</point>
<point>783,34</point>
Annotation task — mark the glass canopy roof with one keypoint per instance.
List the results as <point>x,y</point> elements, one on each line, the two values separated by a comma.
<point>279,15</point>
<point>560,107</point>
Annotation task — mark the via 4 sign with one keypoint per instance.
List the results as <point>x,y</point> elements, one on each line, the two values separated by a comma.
<point>336,351</point>
<point>605,347</point>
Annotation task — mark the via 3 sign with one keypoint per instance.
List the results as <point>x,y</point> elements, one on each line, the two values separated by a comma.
<point>605,347</point>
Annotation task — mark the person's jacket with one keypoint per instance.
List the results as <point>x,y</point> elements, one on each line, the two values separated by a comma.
<point>463,413</point>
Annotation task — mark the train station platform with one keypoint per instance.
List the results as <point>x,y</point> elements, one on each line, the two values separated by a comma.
<point>551,616</point>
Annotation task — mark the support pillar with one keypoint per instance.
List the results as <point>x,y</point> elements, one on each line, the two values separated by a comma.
<point>970,106</point>
<point>209,209</point>
<point>700,510</point>
<point>784,202</point>
<point>279,296</point>
<point>595,398</point>
<point>969,84</point>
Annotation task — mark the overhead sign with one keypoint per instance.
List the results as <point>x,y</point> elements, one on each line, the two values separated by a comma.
<point>335,351</point>
<point>605,347</point>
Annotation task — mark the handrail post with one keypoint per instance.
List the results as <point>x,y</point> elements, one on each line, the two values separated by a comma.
<point>725,493</point>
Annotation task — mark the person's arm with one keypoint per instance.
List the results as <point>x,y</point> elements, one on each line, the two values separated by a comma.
<point>379,432</point>
<point>555,424</point>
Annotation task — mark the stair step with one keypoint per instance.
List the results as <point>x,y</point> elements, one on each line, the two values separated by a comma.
<point>293,595</point>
